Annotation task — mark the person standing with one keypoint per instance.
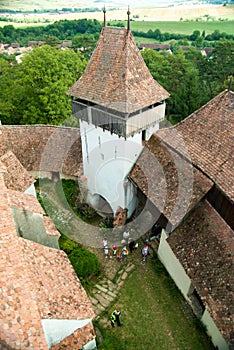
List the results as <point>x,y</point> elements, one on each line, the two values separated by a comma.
<point>119,257</point>
<point>131,244</point>
<point>144,252</point>
<point>105,249</point>
<point>115,318</point>
<point>114,249</point>
<point>124,252</point>
<point>126,235</point>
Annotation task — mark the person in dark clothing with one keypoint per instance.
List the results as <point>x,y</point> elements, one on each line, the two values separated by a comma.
<point>131,244</point>
<point>115,318</point>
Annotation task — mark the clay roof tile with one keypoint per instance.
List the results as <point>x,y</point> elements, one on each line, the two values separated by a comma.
<point>117,76</point>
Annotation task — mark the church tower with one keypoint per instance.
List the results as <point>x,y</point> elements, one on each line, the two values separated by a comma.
<point>119,106</point>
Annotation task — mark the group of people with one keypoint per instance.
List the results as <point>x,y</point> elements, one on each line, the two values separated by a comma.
<point>122,252</point>
<point>128,245</point>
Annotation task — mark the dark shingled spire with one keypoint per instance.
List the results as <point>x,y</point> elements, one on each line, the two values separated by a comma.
<point>128,13</point>
<point>104,12</point>
<point>117,76</point>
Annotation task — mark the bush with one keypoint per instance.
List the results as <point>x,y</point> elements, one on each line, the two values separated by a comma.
<point>66,244</point>
<point>86,212</point>
<point>71,192</point>
<point>84,263</point>
<point>107,222</point>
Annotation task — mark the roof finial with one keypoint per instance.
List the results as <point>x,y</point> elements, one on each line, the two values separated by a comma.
<point>104,12</point>
<point>230,83</point>
<point>128,13</point>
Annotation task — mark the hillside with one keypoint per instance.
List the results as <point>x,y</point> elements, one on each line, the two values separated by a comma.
<point>150,12</point>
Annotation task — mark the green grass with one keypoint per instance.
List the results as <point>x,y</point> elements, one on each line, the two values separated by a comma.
<point>183,27</point>
<point>154,315</point>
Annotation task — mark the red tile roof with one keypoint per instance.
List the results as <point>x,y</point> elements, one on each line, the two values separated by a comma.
<point>24,201</point>
<point>44,147</point>
<point>204,245</point>
<point>15,176</point>
<point>37,282</point>
<point>117,76</point>
<point>77,339</point>
<point>171,183</point>
<point>208,135</point>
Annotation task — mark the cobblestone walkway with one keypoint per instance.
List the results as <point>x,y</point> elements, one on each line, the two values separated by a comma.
<point>107,289</point>
<point>104,292</point>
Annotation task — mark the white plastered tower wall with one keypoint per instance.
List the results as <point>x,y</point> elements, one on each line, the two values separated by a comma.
<point>108,159</point>
<point>119,106</point>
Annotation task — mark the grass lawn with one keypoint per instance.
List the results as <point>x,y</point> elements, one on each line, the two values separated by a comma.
<point>154,315</point>
<point>183,27</point>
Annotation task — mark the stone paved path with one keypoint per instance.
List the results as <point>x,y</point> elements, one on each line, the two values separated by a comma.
<point>104,292</point>
<point>115,273</point>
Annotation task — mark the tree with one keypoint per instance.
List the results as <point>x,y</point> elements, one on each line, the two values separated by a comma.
<point>180,78</point>
<point>85,42</point>
<point>195,35</point>
<point>215,70</point>
<point>8,88</point>
<point>223,59</point>
<point>36,88</point>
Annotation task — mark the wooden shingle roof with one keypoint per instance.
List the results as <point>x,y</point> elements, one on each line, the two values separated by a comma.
<point>203,244</point>
<point>16,176</point>
<point>208,134</point>
<point>117,76</point>
<point>43,147</point>
<point>168,180</point>
<point>37,283</point>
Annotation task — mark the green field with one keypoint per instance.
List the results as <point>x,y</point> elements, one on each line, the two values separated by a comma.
<point>184,27</point>
<point>170,27</point>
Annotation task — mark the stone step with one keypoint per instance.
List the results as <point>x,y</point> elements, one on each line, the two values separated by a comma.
<point>104,301</point>
<point>98,309</point>
<point>102,289</point>
<point>130,268</point>
<point>113,295</point>
<point>93,300</point>
<point>124,275</point>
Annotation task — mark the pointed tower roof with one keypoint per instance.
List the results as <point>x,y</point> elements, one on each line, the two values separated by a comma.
<point>116,76</point>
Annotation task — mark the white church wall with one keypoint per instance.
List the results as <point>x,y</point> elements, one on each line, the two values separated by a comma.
<point>31,226</point>
<point>57,330</point>
<point>213,331</point>
<point>31,190</point>
<point>107,160</point>
<point>183,282</point>
<point>173,266</point>
<point>152,129</point>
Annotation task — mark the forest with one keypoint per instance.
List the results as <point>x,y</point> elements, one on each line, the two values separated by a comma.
<point>34,91</point>
<point>68,29</point>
